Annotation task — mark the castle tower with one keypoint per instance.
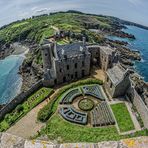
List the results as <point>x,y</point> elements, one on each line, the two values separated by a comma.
<point>83,47</point>
<point>47,55</point>
<point>55,49</point>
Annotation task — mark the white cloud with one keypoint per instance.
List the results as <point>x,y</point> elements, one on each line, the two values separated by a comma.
<point>34,8</point>
<point>135,2</point>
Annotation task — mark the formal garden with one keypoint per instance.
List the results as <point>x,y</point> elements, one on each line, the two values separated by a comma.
<point>22,109</point>
<point>86,105</point>
<point>79,112</point>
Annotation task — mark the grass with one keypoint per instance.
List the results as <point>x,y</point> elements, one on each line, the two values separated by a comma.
<point>22,109</point>
<point>63,42</point>
<point>123,117</point>
<point>19,24</point>
<point>57,128</point>
<point>64,132</point>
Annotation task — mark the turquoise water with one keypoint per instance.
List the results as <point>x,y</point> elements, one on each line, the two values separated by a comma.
<point>140,44</point>
<point>10,80</point>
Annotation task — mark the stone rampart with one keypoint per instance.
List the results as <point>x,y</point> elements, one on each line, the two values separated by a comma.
<point>139,104</point>
<point>19,99</point>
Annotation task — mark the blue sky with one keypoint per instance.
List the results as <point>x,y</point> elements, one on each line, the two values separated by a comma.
<point>133,10</point>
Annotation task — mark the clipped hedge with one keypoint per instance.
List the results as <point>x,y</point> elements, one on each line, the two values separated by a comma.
<point>47,111</point>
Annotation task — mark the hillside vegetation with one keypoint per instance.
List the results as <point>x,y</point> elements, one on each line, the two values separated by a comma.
<point>39,27</point>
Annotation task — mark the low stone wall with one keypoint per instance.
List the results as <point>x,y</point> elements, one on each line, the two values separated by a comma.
<point>8,141</point>
<point>19,99</point>
<point>139,104</point>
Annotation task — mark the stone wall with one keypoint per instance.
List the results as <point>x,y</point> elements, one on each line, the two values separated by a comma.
<point>139,104</point>
<point>19,99</point>
<point>8,141</point>
<point>121,88</point>
<point>73,68</point>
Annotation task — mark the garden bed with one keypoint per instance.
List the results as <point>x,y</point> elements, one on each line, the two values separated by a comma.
<point>86,104</point>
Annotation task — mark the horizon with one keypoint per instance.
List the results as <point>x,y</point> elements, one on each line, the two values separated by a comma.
<point>75,11</point>
<point>132,10</point>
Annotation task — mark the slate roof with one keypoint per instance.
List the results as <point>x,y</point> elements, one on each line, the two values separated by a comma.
<point>116,74</point>
<point>70,50</point>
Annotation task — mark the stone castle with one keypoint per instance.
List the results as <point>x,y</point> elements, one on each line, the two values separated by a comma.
<point>65,63</point>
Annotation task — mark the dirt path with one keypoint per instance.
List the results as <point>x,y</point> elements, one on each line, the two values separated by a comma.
<point>28,125</point>
<point>98,73</point>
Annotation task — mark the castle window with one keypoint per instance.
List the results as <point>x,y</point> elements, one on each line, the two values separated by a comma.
<point>83,73</point>
<point>64,79</point>
<point>107,79</point>
<point>83,63</point>
<point>71,76</point>
<point>76,74</point>
<point>109,62</point>
<point>67,67</point>
<point>55,81</point>
<point>111,85</point>
<point>68,75</point>
<point>76,65</point>
<point>60,70</point>
<point>45,54</point>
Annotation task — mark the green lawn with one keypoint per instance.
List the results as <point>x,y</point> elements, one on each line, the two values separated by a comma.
<point>62,131</point>
<point>58,128</point>
<point>123,117</point>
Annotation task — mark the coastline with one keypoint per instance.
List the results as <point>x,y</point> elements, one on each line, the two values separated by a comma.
<point>10,76</point>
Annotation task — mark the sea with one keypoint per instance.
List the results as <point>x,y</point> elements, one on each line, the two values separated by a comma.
<point>10,80</point>
<point>140,44</point>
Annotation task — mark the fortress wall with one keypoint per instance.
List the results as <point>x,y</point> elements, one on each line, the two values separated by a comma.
<point>140,105</point>
<point>19,99</point>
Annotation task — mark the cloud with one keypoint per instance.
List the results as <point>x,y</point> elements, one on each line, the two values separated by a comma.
<point>42,10</point>
<point>135,2</point>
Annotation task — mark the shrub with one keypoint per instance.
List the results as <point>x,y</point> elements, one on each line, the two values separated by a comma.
<point>19,108</point>
<point>47,111</point>
<point>9,118</point>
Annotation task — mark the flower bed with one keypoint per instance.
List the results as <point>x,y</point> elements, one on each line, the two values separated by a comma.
<point>86,104</point>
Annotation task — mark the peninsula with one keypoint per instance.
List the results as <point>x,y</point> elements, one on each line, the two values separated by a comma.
<point>75,79</point>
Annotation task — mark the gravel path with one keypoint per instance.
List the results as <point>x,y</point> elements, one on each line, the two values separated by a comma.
<point>28,125</point>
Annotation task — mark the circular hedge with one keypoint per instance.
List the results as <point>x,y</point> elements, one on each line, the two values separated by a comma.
<point>86,104</point>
